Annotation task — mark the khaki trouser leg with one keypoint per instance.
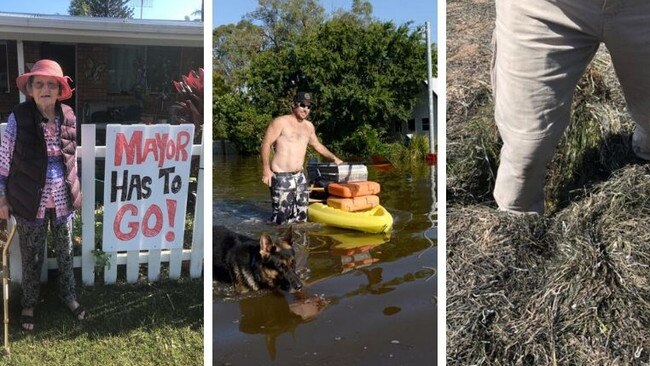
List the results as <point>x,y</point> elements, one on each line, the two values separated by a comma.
<point>541,50</point>
<point>627,36</point>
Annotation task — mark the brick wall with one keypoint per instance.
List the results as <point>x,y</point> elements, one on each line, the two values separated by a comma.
<point>9,100</point>
<point>191,59</point>
<point>92,76</point>
<point>92,87</point>
<point>32,54</point>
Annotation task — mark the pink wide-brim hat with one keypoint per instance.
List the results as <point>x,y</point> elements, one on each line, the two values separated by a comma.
<point>46,68</point>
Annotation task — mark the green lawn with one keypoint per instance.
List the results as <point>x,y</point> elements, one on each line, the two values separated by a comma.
<point>141,324</point>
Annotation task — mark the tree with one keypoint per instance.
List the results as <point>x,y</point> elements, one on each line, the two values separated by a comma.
<point>361,11</point>
<point>366,74</point>
<point>79,8</point>
<point>234,46</point>
<point>282,21</point>
<point>219,89</point>
<point>197,13</point>
<point>372,75</point>
<point>200,11</point>
<point>101,8</point>
<point>362,75</point>
<point>235,116</point>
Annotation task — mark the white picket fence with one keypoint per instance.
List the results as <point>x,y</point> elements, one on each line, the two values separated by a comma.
<point>192,258</point>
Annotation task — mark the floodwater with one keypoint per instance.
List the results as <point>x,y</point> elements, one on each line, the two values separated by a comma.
<point>368,299</point>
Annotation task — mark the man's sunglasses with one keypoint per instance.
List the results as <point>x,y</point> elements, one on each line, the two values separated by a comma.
<point>303,105</point>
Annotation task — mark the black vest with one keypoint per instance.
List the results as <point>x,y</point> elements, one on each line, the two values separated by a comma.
<point>29,164</point>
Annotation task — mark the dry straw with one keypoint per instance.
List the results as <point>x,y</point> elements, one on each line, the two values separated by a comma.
<point>571,287</point>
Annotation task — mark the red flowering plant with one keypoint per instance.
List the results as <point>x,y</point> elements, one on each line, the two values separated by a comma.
<point>189,106</point>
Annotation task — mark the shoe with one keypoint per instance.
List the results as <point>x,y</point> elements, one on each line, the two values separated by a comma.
<point>641,143</point>
<point>78,311</point>
<point>27,322</point>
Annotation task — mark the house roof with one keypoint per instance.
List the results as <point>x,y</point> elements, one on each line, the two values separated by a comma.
<point>74,29</point>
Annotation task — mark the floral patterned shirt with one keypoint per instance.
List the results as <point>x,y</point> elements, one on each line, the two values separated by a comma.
<point>55,190</point>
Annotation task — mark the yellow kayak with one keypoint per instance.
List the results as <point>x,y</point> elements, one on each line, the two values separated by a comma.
<point>374,220</point>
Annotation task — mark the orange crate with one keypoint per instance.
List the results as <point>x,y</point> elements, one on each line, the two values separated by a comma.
<point>353,204</point>
<point>354,189</point>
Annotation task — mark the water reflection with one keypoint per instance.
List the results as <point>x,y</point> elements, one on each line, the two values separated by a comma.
<point>326,258</point>
<point>272,314</point>
<point>377,286</point>
<point>354,249</point>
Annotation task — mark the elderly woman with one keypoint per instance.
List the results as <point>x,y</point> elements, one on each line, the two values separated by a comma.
<point>39,183</point>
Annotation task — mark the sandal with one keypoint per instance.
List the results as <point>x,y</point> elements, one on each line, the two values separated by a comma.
<point>76,313</point>
<point>27,319</point>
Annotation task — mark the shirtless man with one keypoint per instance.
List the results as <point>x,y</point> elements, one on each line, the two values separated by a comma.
<point>289,135</point>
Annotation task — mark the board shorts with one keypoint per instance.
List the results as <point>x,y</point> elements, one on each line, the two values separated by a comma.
<point>289,197</point>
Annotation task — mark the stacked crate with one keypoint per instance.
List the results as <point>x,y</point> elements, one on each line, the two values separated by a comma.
<point>353,196</point>
<point>347,185</point>
<point>328,173</point>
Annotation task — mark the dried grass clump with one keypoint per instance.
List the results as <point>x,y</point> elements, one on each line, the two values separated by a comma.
<point>472,140</point>
<point>570,289</point>
<point>473,156</point>
<point>470,24</point>
<point>598,288</point>
<point>573,286</point>
<point>495,261</point>
<point>597,141</point>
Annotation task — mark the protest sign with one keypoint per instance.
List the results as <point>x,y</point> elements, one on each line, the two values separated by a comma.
<point>145,186</point>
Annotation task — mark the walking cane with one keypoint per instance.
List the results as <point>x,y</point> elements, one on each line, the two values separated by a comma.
<point>5,280</point>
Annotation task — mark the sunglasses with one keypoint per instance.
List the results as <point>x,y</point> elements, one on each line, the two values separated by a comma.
<point>50,84</point>
<point>303,105</point>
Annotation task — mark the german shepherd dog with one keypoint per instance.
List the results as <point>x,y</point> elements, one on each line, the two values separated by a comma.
<point>251,265</point>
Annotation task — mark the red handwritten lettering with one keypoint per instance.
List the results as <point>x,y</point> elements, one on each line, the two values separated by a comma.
<point>158,148</point>
<point>151,231</point>
<point>171,209</point>
<point>150,147</point>
<point>183,139</point>
<point>129,149</point>
<point>133,226</point>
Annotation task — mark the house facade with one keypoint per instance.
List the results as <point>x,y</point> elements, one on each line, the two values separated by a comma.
<point>122,68</point>
<point>419,122</point>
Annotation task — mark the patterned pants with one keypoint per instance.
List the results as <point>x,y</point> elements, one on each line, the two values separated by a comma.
<point>289,197</point>
<point>32,249</point>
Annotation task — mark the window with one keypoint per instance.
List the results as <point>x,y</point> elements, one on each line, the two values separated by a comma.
<point>411,125</point>
<point>397,127</point>
<point>140,70</point>
<point>4,69</point>
<point>163,66</point>
<point>425,124</point>
<point>126,70</point>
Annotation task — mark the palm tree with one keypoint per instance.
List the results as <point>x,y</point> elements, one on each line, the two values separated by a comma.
<point>199,11</point>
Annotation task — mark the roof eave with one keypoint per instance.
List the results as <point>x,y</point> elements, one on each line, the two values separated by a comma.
<point>101,30</point>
